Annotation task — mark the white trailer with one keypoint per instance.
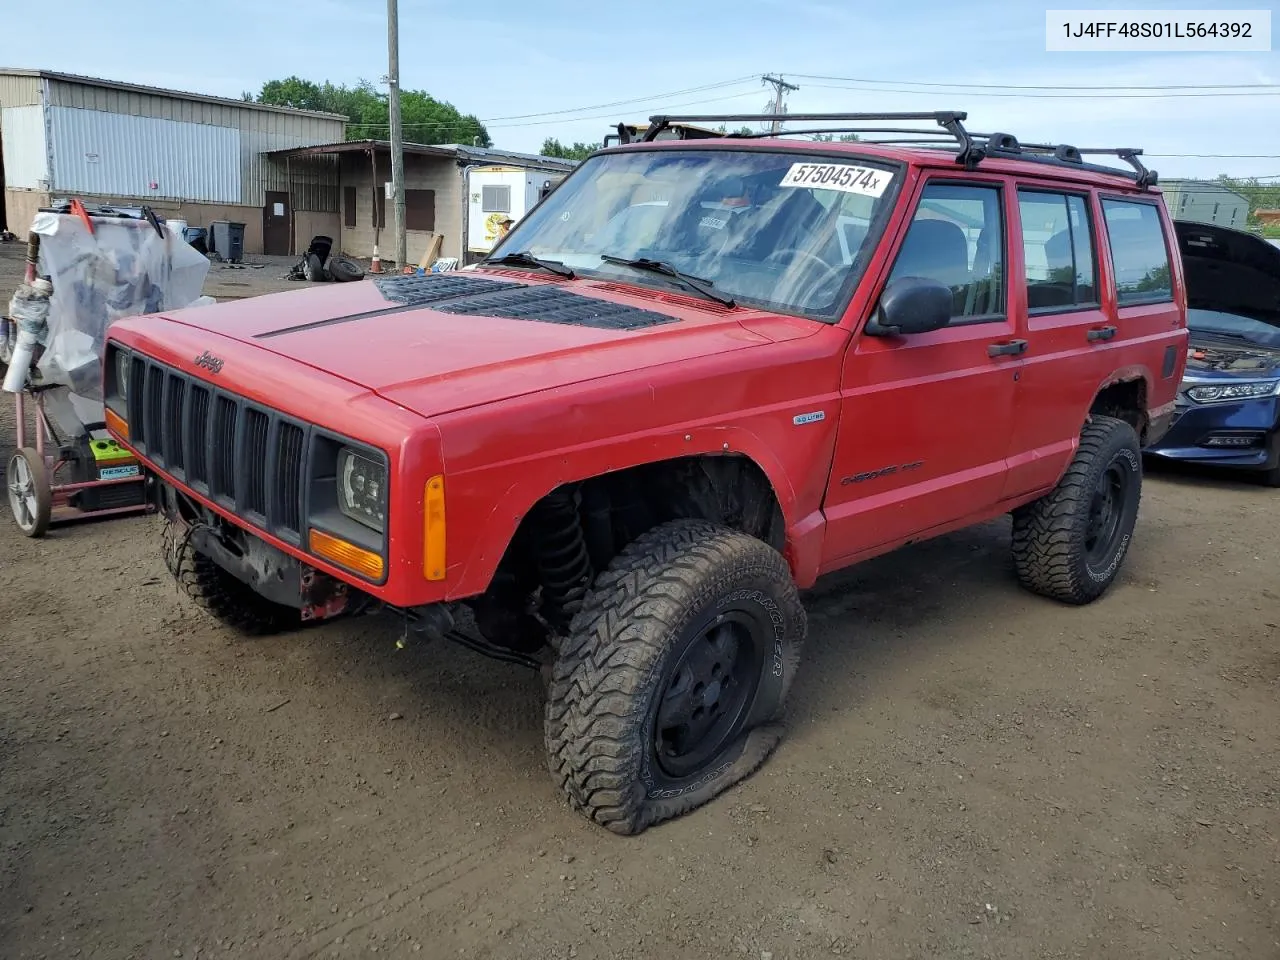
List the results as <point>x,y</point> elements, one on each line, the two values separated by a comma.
<point>497,192</point>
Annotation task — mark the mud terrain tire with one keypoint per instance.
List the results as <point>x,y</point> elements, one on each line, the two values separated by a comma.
<point>671,684</point>
<point>224,597</point>
<point>1069,544</point>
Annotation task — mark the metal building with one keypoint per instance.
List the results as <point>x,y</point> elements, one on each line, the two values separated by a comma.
<point>443,195</point>
<point>186,155</point>
<point>1204,201</point>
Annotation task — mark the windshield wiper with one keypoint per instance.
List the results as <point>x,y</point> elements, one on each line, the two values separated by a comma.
<point>1222,334</point>
<point>523,258</point>
<point>696,284</point>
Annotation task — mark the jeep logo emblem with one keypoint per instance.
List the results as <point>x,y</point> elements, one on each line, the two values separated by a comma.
<point>209,362</point>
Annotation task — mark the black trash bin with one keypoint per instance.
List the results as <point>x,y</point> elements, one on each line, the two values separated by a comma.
<point>226,240</point>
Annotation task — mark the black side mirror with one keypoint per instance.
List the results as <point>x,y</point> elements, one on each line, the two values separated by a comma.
<point>911,305</point>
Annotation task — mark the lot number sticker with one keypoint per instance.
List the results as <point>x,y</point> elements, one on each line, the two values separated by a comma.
<point>846,177</point>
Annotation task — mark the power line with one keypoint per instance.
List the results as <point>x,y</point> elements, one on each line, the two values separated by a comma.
<point>1049,96</point>
<point>461,125</point>
<point>620,103</point>
<point>1055,86</point>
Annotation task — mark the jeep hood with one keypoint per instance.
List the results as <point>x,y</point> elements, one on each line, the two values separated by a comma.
<point>1231,271</point>
<point>504,335</point>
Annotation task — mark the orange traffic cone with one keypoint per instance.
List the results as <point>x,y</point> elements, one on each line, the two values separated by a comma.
<point>376,265</point>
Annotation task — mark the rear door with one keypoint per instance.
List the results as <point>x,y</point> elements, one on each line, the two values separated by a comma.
<point>1096,280</point>
<point>925,419</point>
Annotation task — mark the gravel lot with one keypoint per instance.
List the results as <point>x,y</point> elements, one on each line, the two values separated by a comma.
<point>970,771</point>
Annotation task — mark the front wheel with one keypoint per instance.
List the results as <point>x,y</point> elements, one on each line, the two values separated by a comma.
<point>229,601</point>
<point>1069,544</point>
<point>671,685</point>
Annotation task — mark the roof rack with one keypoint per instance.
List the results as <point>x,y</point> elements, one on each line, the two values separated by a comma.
<point>973,147</point>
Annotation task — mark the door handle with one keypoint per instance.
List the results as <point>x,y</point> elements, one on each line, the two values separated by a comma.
<point>1010,348</point>
<point>1101,333</point>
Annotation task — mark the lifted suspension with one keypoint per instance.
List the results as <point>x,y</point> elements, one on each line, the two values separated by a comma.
<point>560,554</point>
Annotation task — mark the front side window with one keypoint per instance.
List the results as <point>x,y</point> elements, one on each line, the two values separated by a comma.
<point>1057,250</point>
<point>957,238</point>
<point>782,231</point>
<point>1138,251</point>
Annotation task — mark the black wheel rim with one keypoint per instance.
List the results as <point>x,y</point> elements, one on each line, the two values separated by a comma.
<point>708,693</point>
<point>1106,511</point>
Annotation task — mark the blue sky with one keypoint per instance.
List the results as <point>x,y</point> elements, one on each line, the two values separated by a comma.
<point>504,59</point>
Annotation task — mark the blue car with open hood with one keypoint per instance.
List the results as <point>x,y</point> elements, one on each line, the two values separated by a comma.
<point>1228,407</point>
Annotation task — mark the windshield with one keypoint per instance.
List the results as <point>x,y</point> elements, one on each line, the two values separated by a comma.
<point>782,231</point>
<point>1235,326</point>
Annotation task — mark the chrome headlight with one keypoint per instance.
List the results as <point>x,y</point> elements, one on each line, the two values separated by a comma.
<point>1223,392</point>
<point>362,489</point>
<point>123,362</point>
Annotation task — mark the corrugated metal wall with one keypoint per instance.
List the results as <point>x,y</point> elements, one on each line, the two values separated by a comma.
<point>123,156</point>
<point>20,91</point>
<point>258,130</point>
<point>26,161</point>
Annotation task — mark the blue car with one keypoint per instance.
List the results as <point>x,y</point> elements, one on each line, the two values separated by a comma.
<point>1228,408</point>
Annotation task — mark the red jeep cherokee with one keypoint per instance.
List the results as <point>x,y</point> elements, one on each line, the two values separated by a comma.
<point>698,376</point>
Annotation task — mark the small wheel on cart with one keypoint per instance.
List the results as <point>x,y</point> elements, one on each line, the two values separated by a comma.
<point>30,497</point>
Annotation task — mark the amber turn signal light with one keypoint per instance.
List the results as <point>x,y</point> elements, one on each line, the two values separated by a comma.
<point>433,529</point>
<point>116,424</point>
<point>357,559</point>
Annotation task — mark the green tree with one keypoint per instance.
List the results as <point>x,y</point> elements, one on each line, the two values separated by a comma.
<point>367,109</point>
<point>830,138</point>
<point>551,147</point>
<point>1261,195</point>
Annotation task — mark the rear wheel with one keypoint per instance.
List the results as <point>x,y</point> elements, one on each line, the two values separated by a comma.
<point>1069,544</point>
<point>671,685</point>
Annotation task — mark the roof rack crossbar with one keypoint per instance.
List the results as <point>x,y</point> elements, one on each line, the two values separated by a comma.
<point>973,147</point>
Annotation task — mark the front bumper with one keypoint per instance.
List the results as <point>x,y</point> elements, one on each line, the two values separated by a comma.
<point>248,448</point>
<point>1243,435</point>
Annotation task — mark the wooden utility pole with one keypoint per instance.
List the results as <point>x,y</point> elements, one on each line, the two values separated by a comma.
<point>780,87</point>
<point>397,134</point>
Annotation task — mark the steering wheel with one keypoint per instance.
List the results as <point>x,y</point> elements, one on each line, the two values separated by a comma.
<point>812,262</point>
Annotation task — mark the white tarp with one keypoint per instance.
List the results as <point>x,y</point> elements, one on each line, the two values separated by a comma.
<point>123,269</point>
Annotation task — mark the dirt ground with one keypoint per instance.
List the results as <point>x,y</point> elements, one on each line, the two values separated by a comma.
<point>970,771</point>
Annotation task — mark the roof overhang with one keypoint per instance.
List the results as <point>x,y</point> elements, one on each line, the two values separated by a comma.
<point>462,154</point>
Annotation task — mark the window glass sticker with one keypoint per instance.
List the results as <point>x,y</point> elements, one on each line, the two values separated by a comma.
<point>846,177</point>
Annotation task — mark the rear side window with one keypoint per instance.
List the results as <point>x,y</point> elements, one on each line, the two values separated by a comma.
<point>957,238</point>
<point>1057,250</point>
<point>1138,251</point>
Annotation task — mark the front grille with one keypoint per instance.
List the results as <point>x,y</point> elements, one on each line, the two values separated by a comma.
<point>247,458</point>
<point>226,414</point>
<point>289,448</point>
<point>254,459</point>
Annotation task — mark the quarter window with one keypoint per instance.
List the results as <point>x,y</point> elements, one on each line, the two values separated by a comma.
<point>957,238</point>
<point>1138,252</point>
<point>1058,251</point>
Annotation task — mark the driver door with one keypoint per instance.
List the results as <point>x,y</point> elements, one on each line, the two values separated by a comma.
<point>925,419</point>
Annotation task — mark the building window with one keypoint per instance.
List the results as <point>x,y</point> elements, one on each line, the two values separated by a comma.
<point>349,206</point>
<point>495,198</point>
<point>420,210</point>
<point>1057,248</point>
<point>1138,251</point>
<point>957,238</point>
